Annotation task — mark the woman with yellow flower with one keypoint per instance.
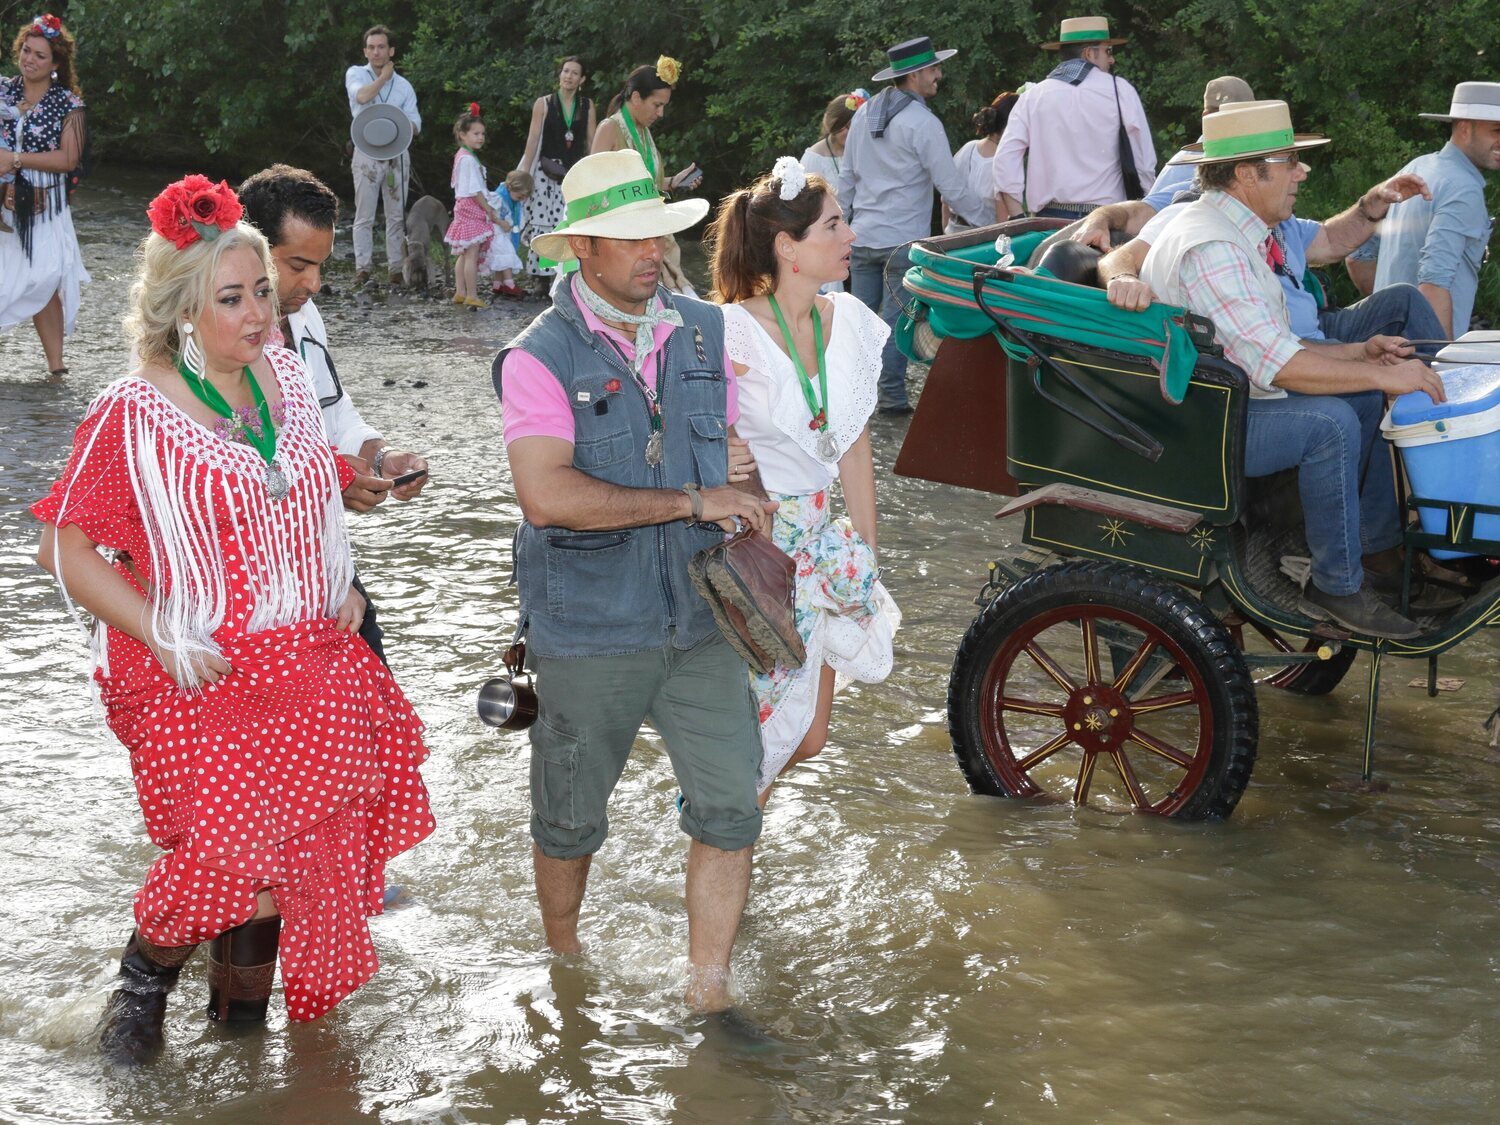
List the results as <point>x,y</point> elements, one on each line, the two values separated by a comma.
<point>636,108</point>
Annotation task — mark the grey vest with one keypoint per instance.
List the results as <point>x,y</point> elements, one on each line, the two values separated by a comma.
<point>606,593</point>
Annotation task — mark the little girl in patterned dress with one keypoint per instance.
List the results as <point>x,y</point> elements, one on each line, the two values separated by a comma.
<point>474,220</point>
<point>504,256</point>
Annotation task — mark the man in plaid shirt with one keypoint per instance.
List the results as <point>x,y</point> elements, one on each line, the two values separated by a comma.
<point>1315,407</point>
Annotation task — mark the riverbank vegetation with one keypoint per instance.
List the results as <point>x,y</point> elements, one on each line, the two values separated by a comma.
<point>198,83</point>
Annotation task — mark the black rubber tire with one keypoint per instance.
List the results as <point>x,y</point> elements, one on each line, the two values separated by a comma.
<point>1322,677</point>
<point>1228,692</point>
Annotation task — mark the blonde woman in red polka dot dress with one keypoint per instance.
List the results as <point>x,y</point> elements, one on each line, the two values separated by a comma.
<point>199,522</point>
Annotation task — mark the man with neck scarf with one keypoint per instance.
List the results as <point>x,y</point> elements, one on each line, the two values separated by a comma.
<point>1069,138</point>
<point>896,154</point>
<point>618,404</point>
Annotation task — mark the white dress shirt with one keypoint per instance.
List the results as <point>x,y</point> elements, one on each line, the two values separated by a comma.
<point>346,429</point>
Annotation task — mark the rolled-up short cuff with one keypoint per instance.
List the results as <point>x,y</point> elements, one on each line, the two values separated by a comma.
<point>562,843</point>
<point>725,833</point>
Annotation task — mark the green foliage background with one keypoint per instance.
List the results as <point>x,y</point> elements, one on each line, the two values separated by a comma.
<point>227,87</point>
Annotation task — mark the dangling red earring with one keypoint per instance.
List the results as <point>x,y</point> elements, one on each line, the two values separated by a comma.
<point>796,268</point>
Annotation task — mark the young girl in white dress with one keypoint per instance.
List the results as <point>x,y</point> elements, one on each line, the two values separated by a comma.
<point>807,367</point>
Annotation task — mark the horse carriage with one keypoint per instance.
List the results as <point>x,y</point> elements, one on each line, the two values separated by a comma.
<point>1116,657</point>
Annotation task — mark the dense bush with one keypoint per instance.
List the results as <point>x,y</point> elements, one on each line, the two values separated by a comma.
<point>231,87</point>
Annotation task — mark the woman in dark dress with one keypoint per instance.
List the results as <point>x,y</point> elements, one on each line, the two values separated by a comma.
<point>42,125</point>
<point>561,125</point>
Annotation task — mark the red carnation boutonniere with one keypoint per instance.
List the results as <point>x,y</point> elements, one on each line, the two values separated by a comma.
<point>612,386</point>
<point>194,207</point>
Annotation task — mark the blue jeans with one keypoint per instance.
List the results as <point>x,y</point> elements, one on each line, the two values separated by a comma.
<point>875,278</point>
<point>1396,310</point>
<point>1347,486</point>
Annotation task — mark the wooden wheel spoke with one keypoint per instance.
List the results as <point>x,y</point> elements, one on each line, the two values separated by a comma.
<point>1085,778</point>
<point>1136,663</point>
<point>1157,746</point>
<point>1163,702</point>
<point>1132,784</point>
<point>1043,752</point>
<point>1050,666</point>
<point>1090,649</point>
<point>1030,707</point>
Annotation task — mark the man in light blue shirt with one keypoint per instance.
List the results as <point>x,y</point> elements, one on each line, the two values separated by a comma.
<point>896,154</point>
<point>1438,245</point>
<point>380,181</point>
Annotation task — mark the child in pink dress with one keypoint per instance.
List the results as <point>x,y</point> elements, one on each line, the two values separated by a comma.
<point>474,220</point>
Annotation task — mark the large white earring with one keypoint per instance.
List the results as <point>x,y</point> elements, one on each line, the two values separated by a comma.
<point>192,353</point>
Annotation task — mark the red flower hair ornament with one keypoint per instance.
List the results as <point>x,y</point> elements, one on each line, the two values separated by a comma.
<point>474,109</point>
<point>47,25</point>
<point>194,207</point>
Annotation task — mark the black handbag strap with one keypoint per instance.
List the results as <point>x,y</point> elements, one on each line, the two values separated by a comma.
<point>1128,170</point>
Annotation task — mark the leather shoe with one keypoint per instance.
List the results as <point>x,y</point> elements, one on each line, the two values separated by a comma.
<point>1361,612</point>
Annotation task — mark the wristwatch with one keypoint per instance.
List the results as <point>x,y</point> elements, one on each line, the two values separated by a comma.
<point>376,466</point>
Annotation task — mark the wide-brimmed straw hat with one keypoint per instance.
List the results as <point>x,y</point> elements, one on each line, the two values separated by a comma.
<point>1084,31</point>
<point>381,131</point>
<point>1472,101</point>
<point>1245,130</point>
<point>611,195</point>
<point>912,56</point>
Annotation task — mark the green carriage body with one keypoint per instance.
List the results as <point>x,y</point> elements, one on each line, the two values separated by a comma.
<point>1121,437</point>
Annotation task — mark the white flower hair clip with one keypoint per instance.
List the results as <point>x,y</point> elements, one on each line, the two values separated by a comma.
<point>793,177</point>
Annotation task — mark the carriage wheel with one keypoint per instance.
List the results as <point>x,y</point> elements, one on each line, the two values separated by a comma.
<point>1102,684</point>
<point>1317,678</point>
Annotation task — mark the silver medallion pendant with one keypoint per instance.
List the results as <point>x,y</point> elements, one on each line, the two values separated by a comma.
<point>828,449</point>
<point>277,486</point>
<point>568,136</point>
<point>653,449</point>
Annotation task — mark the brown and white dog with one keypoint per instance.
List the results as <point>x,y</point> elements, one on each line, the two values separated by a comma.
<point>425,223</point>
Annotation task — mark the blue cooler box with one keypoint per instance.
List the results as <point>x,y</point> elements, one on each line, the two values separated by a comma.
<point>1452,449</point>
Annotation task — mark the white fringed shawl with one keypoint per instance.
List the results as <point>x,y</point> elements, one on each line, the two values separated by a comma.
<point>198,493</point>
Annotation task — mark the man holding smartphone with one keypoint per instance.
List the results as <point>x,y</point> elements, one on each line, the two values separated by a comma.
<point>296,211</point>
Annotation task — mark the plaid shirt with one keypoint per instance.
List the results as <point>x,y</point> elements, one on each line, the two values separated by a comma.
<point>1223,287</point>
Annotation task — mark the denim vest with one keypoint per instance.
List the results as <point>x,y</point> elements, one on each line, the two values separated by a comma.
<point>606,593</point>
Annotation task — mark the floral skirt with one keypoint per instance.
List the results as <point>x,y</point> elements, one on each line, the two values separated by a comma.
<point>470,225</point>
<point>845,617</point>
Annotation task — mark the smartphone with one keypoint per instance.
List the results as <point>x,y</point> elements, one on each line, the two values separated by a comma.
<point>408,478</point>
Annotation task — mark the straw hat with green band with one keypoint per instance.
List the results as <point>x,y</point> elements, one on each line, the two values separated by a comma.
<point>1245,130</point>
<point>910,57</point>
<point>610,195</point>
<point>1084,31</point>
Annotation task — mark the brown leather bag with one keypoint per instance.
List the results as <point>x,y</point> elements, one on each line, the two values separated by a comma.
<point>750,585</point>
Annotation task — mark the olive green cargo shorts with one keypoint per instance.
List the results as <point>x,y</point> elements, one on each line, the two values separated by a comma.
<point>590,711</point>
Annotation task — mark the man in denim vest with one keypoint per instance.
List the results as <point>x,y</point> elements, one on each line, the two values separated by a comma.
<point>618,405</point>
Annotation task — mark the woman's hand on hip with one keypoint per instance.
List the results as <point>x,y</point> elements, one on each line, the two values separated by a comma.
<point>351,614</point>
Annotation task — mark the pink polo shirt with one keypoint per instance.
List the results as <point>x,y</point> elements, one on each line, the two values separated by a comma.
<point>534,404</point>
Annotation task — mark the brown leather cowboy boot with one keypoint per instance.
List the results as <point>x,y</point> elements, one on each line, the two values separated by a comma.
<point>241,969</point>
<point>130,1032</point>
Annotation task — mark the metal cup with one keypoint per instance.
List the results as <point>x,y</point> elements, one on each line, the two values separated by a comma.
<point>506,704</point>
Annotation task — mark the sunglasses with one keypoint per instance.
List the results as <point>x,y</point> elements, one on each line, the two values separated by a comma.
<point>1288,158</point>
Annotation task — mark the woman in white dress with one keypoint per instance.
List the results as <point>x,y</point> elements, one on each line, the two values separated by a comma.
<point>42,124</point>
<point>807,367</point>
<point>976,160</point>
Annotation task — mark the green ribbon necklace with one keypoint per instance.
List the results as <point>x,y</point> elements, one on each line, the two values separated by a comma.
<point>827,448</point>
<point>263,442</point>
<point>640,147</point>
<point>567,113</point>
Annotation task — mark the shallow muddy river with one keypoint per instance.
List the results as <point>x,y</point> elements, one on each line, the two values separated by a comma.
<point>922,954</point>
